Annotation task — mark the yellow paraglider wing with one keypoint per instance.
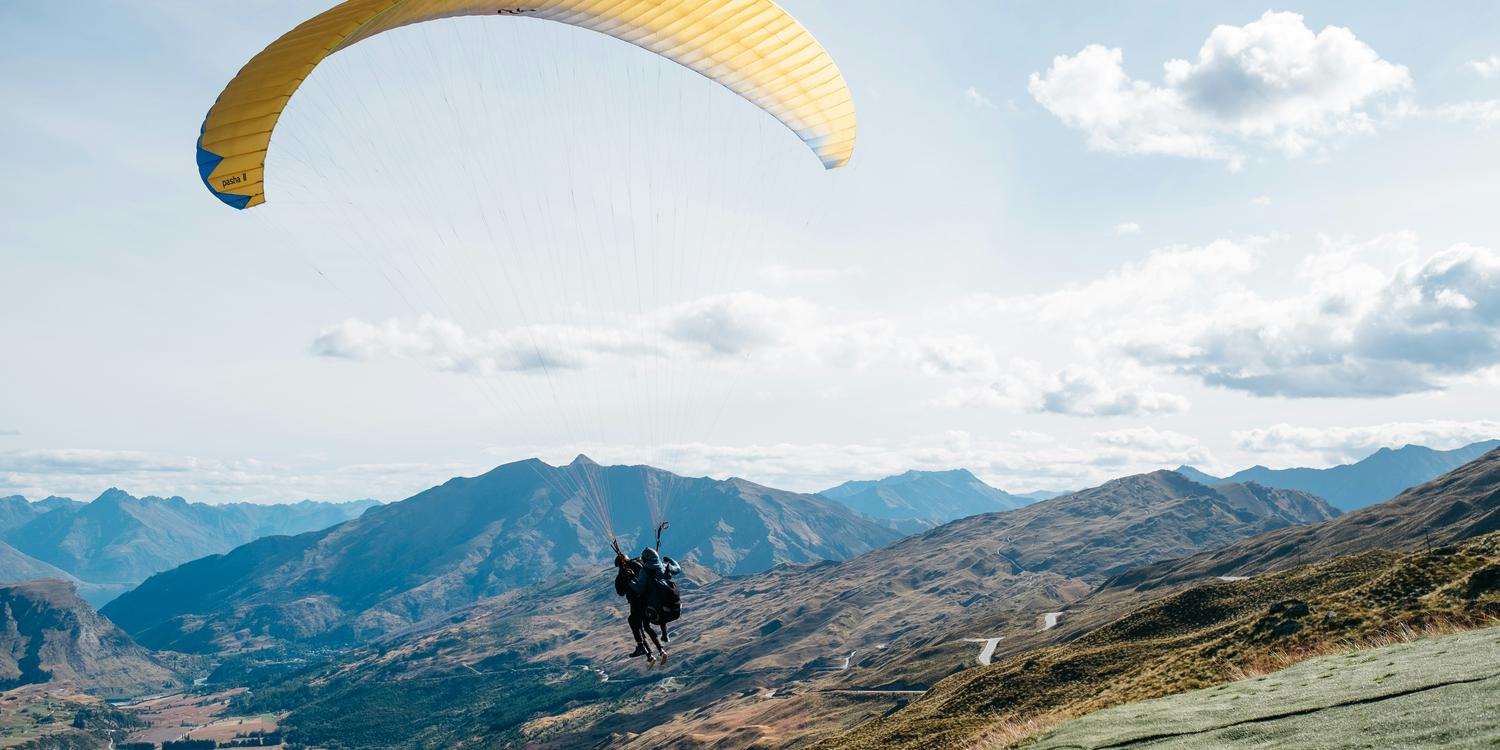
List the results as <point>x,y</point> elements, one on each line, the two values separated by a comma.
<point>752,47</point>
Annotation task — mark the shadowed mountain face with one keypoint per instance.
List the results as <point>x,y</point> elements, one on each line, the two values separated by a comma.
<point>118,540</point>
<point>923,499</point>
<point>48,634</point>
<point>517,525</point>
<point>1378,477</point>
<point>800,622</point>
<point>1463,503</point>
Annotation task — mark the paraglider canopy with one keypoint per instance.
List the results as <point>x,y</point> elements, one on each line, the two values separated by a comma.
<point>752,47</point>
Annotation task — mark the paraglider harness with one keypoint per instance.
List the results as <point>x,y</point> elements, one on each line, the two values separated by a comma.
<point>659,599</point>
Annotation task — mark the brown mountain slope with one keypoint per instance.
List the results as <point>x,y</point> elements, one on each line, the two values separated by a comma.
<point>1200,637</point>
<point>49,634</point>
<point>1458,505</point>
<point>780,629</point>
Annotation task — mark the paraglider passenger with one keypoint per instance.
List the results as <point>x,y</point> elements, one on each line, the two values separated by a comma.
<point>656,577</point>
<point>646,583</point>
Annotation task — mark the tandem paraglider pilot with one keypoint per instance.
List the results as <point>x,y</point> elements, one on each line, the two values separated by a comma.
<point>646,583</point>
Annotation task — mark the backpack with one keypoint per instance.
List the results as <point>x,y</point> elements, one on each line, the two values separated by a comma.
<point>662,602</point>
<point>624,576</point>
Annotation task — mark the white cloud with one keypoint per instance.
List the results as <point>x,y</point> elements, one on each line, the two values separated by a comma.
<point>445,345</point>
<point>1082,391</point>
<point>954,355</point>
<point>737,323</point>
<point>721,328</point>
<point>1261,200</point>
<point>1380,318</point>
<point>84,473</point>
<point>1356,331</point>
<point>87,461</point>
<point>1272,84</point>
<point>1160,287</point>
<point>976,99</point>
<point>1075,390</point>
<point>1128,227</point>
<point>1486,68</point>
<point>1483,113</point>
<point>1330,445</point>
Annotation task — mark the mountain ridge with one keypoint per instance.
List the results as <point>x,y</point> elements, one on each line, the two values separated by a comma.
<point>1373,479</point>
<point>924,499</point>
<point>1460,504</point>
<point>474,537</point>
<point>118,540</point>
<point>818,621</point>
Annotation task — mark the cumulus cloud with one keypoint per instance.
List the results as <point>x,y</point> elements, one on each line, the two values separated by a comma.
<point>716,328</point>
<point>731,328</point>
<point>1128,227</point>
<point>1486,68</point>
<point>1161,286</point>
<point>1082,391</point>
<point>1343,444</point>
<point>1361,333</point>
<point>445,345</point>
<point>1270,85</point>
<point>954,355</point>
<point>1075,390</point>
<point>1373,319</point>
<point>737,323</point>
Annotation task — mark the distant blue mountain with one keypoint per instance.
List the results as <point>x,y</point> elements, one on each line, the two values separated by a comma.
<point>919,500</point>
<point>1040,495</point>
<point>116,541</point>
<point>1379,477</point>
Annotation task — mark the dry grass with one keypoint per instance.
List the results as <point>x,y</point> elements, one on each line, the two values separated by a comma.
<point>1275,661</point>
<point>1011,732</point>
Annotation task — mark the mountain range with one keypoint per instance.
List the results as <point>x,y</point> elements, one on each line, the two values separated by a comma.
<point>798,621</point>
<point>1378,477</point>
<point>919,500</point>
<point>1461,504</point>
<point>116,541</point>
<point>447,547</point>
<point>483,607</point>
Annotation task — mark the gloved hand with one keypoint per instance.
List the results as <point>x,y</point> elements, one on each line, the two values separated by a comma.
<point>619,559</point>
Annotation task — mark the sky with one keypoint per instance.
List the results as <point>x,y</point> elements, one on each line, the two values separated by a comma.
<point>1076,241</point>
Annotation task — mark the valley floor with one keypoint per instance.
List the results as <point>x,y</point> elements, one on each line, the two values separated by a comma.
<point>1437,692</point>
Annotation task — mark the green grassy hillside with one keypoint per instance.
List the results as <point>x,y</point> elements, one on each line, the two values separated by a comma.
<point>1434,692</point>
